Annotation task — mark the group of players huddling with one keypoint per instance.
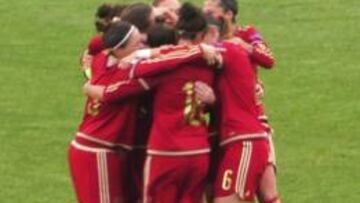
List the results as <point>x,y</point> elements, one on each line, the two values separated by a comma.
<point>173,111</point>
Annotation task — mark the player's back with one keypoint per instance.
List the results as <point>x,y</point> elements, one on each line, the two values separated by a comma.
<point>261,56</point>
<point>236,87</point>
<point>178,117</point>
<point>111,122</point>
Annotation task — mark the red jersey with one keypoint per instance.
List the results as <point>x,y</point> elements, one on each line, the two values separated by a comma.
<point>100,64</point>
<point>236,87</point>
<point>111,122</point>
<point>262,56</point>
<point>179,126</point>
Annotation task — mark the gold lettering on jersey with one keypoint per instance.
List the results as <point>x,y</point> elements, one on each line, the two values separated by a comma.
<point>227,180</point>
<point>193,111</point>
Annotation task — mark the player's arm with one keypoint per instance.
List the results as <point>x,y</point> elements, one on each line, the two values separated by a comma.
<point>173,59</point>
<point>122,89</point>
<point>261,52</point>
<point>263,56</point>
<point>118,90</point>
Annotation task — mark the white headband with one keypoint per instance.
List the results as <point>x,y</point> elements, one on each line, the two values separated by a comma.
<point>132,29</point>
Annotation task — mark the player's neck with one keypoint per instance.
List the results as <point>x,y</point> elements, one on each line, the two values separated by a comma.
<point>230,29</point>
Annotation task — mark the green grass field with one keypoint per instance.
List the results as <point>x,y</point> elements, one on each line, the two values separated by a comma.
<point>312,95</point>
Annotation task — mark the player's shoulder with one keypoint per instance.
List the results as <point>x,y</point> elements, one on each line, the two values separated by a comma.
<point>95,44</point>
<point>232,47</point>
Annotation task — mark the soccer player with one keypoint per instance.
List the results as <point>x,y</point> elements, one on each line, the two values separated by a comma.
<point>177,162</point>
<point>170,18</point>
<point>250,39</point>
<point>243,99</point>
<point>245,168</point>
<point>158,35</point>
<point>139,15</point>
<point>98,155</point>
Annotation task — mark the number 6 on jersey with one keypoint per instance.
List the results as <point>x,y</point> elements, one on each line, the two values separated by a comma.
<point>227,180</point>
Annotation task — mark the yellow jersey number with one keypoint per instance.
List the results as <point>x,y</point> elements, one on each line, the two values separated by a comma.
<point>227,180</point>
<point>193,111</point>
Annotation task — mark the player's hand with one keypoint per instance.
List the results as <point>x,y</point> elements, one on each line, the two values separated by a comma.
<point>204,93</point>
<point>171,18</point>
<point>93,91</point>
<point>211,54</point>
<point>259,91</point>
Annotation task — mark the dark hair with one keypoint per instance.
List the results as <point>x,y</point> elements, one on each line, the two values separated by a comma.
<point>230,5</point>
<point>115,34</point>
<point>161,34</point>
<point>104,11</point>
<point>191,21</point>
<point>139,15</point>
<point>118,9</point>
<point>104,15</point>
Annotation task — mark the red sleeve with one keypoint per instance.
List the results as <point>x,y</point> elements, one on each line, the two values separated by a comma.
<point>126,88</point>
<point>131,87</point>
<point>262,53</point>
<point>166,62</point>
